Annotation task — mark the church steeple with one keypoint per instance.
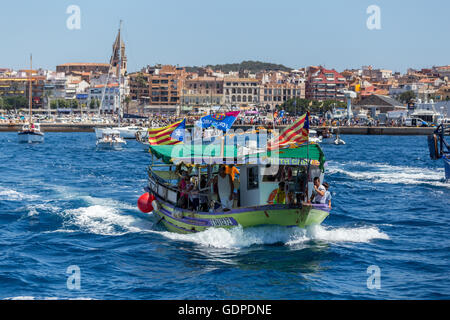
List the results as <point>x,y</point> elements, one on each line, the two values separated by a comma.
<point>117,55</point>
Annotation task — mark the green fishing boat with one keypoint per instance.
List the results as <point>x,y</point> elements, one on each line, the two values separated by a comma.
<point>256,187</point>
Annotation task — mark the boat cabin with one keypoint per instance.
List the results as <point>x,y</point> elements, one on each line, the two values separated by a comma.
<point>110,135</point>
<point>31,127</point>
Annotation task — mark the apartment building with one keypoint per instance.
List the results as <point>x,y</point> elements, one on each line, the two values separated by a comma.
<point>69,68</point>
<point>273,95</point>
<point>325,84</point>
<point>109,93</point>
<point>203,90</point>
<point>241,92</point>
<point>139,86</point>
<point>19,86</point>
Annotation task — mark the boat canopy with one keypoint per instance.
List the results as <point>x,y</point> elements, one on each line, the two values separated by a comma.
<point>233,154</point>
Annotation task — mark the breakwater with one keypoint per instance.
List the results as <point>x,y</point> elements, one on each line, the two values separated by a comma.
<point>88,127</point>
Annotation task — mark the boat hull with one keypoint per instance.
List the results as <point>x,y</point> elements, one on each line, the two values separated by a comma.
<point>31,137</point>
<point>127,133</point>
<point>329,140</point>
<point>446,159</point>
<point>184,221</point>
<point>110,146</point>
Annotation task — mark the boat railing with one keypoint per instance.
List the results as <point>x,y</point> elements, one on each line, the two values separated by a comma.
<point>160,187</point>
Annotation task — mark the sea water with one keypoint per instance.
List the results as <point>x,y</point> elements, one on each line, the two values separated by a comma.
<point>70,229</point>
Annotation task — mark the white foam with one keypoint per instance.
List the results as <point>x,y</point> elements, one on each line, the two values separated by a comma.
<point>31,298</point>
<point>363,234</point>
<point>33,209</point>
<point>241,238</point>
<point>383,173</point>
<point>109,203</point>
<point>7,194</point>
<point>102,220</point>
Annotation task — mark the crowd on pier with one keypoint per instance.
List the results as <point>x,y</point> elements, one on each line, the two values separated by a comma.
<point>161,119</point>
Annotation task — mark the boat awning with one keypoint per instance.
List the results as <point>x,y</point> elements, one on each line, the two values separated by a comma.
<point>211,154</point>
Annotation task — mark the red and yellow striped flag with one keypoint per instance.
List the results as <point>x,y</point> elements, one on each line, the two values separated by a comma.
<point>297,133</point>
<point>162,136</point>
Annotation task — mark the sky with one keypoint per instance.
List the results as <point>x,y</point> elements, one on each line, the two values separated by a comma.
<point>296,33</point>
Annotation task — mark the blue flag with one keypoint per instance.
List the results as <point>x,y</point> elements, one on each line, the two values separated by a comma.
<point>178,133</point>
<point>222,121</point>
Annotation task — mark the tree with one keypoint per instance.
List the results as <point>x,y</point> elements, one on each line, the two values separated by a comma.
<point>127,101</point>
<point>304,105</point>
<point>15,102</point>
<point>141,83</point>
<point>407,96</point>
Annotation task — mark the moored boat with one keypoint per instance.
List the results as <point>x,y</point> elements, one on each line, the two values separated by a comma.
<point>31,132</point>
<point>130,131</point>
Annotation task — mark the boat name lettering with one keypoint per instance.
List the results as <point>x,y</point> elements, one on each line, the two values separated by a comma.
<point>296,162</point>
<point>221,222</point>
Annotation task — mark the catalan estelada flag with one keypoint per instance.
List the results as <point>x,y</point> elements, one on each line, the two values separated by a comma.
<point>169,135</point>
<point>298,133</point>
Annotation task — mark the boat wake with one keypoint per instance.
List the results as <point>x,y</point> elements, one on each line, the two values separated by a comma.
<point>383,173</point>
<point>269,235</point>
<point>7,194</point>
<point>101,220</point>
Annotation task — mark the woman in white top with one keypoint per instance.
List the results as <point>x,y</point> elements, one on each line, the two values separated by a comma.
<point>226,188</point>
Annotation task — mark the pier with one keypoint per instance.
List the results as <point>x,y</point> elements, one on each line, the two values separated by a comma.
<point>89,127</point>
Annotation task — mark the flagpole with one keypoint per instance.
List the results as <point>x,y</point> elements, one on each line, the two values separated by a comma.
<point>309,161</point>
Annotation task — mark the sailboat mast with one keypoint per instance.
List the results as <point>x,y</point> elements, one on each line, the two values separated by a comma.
<point>120,70</point>
<point>30,90</point>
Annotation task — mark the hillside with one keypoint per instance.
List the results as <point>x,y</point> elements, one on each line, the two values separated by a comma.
<point>253,66</point>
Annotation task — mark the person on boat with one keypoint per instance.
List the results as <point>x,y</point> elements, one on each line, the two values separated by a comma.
<point>203,199</point>
<point>225,188</point>
<point>192,189</point>
<point>318,192</point>
<point>327,197</point>
<point>232,171</point>
<point>182,189</point>
<point>280,197</point>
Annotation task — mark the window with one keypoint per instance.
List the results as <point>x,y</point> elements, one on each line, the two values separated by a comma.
<point>252,178</point>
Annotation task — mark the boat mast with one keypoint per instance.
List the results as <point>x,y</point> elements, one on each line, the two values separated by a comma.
<point>120,71</point>
<point>30,91</point>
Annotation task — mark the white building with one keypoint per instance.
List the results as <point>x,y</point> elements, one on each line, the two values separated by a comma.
<point>110,97</point>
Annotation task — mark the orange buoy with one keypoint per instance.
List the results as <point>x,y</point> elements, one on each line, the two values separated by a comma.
<point>272,196</point>
<point>145,202</point>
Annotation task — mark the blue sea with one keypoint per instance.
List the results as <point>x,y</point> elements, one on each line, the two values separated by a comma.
<point>65,206</point>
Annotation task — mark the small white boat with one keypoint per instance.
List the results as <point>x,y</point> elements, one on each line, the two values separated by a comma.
<point>326,135</point>
<point>31,133</point>
<point>314,137</point>
<point>339,141</point>
<point>111,140</point>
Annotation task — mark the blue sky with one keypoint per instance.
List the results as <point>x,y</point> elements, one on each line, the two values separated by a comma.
<point>199,32</point>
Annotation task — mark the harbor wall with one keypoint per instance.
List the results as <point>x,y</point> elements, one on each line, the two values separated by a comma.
<point>63,127</point>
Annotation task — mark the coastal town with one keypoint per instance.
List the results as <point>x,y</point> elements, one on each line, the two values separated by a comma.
<point>217,158</point>
<point>89,93</point>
